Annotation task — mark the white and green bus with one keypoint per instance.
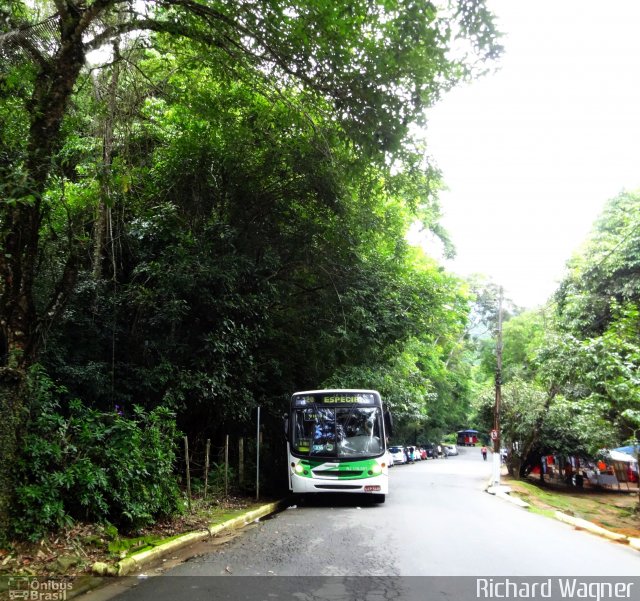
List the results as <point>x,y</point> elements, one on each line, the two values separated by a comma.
<point>336,443</point>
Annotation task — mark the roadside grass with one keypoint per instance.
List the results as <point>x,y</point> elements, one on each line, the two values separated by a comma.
<point>614,510</point>
<point>70,553</point>
<point>203,515</point>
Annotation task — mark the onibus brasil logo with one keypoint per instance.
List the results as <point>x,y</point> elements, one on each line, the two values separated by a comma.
<point>32,589</point>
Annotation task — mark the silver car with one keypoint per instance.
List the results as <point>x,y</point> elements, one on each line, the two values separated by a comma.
<point>388,457</point>
<point>450,449</point>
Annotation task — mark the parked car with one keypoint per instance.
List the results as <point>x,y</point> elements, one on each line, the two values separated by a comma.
<point>397,454</point>
<point>388,458</point>
<point>450,449</point>
<point>431,450</point>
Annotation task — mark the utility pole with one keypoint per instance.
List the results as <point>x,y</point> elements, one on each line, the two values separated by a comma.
<point>497,459</point>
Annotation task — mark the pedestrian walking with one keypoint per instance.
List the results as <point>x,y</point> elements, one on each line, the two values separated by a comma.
<point>483,450</point>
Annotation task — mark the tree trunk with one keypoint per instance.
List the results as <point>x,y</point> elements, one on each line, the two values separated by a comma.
<point>21,220</point>
<point>12,383</point>
<point>17,266</point>
<point>515,465</point>
<point>529,444</point>
<point>100,227</point>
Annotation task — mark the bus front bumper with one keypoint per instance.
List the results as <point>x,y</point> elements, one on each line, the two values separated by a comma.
<point>377,485</point>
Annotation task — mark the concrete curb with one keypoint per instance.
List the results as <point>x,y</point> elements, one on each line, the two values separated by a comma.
<point>138,560</point>
<point>593,528</point>
<point>502,492</point>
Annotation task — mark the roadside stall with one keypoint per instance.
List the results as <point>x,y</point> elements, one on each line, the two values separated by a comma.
<point>614,468</point>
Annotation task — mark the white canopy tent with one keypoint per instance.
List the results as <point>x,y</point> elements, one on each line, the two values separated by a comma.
<point>620,456</point>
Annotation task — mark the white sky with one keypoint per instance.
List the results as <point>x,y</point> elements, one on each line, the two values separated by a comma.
<point>531,153</point>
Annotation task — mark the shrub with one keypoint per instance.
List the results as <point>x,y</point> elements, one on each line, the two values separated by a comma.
<point>91,465</point>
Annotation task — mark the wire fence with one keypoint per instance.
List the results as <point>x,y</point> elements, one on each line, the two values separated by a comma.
<point>220,469</point>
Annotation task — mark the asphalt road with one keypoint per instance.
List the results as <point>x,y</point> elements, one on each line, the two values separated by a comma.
<point>437,521</point>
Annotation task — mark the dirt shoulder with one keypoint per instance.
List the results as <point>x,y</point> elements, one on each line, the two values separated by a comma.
<point>615,510</point>
<point>68,555</point>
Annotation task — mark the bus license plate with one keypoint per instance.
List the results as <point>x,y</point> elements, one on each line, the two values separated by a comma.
<point>372,488</point>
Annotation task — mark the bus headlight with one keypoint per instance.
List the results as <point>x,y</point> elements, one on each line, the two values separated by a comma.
<point>298,468</point>
<point>376,469</point>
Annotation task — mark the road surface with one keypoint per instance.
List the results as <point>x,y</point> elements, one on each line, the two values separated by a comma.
<point>437,522</point>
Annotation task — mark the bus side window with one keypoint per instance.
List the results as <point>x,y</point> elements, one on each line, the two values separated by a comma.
<point>388,423</point>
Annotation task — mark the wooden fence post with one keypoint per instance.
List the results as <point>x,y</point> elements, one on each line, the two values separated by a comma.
<point>226,466</point>
<point>186,460</point>
<point>206,467</point>
<point>241,462</point>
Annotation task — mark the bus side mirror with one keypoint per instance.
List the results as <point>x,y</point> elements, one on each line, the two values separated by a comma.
<point>285,425</point>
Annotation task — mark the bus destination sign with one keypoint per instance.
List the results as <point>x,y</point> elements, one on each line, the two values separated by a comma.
<point>350,398</point>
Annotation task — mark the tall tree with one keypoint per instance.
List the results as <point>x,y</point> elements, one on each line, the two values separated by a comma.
<point>372,66</point>
<point>605,272</point>
<point>377,65</point>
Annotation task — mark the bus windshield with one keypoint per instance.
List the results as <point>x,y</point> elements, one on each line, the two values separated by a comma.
<point>343,432</point>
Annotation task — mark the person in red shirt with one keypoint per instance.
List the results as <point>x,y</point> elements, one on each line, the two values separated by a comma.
<point>483,450</point>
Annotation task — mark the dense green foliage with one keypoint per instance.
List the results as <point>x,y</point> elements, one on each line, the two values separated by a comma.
<point>571,369</point>
<point>213,219</point>
<point>92,465</point>
<point>603,276</point>
<point>216,217</point>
